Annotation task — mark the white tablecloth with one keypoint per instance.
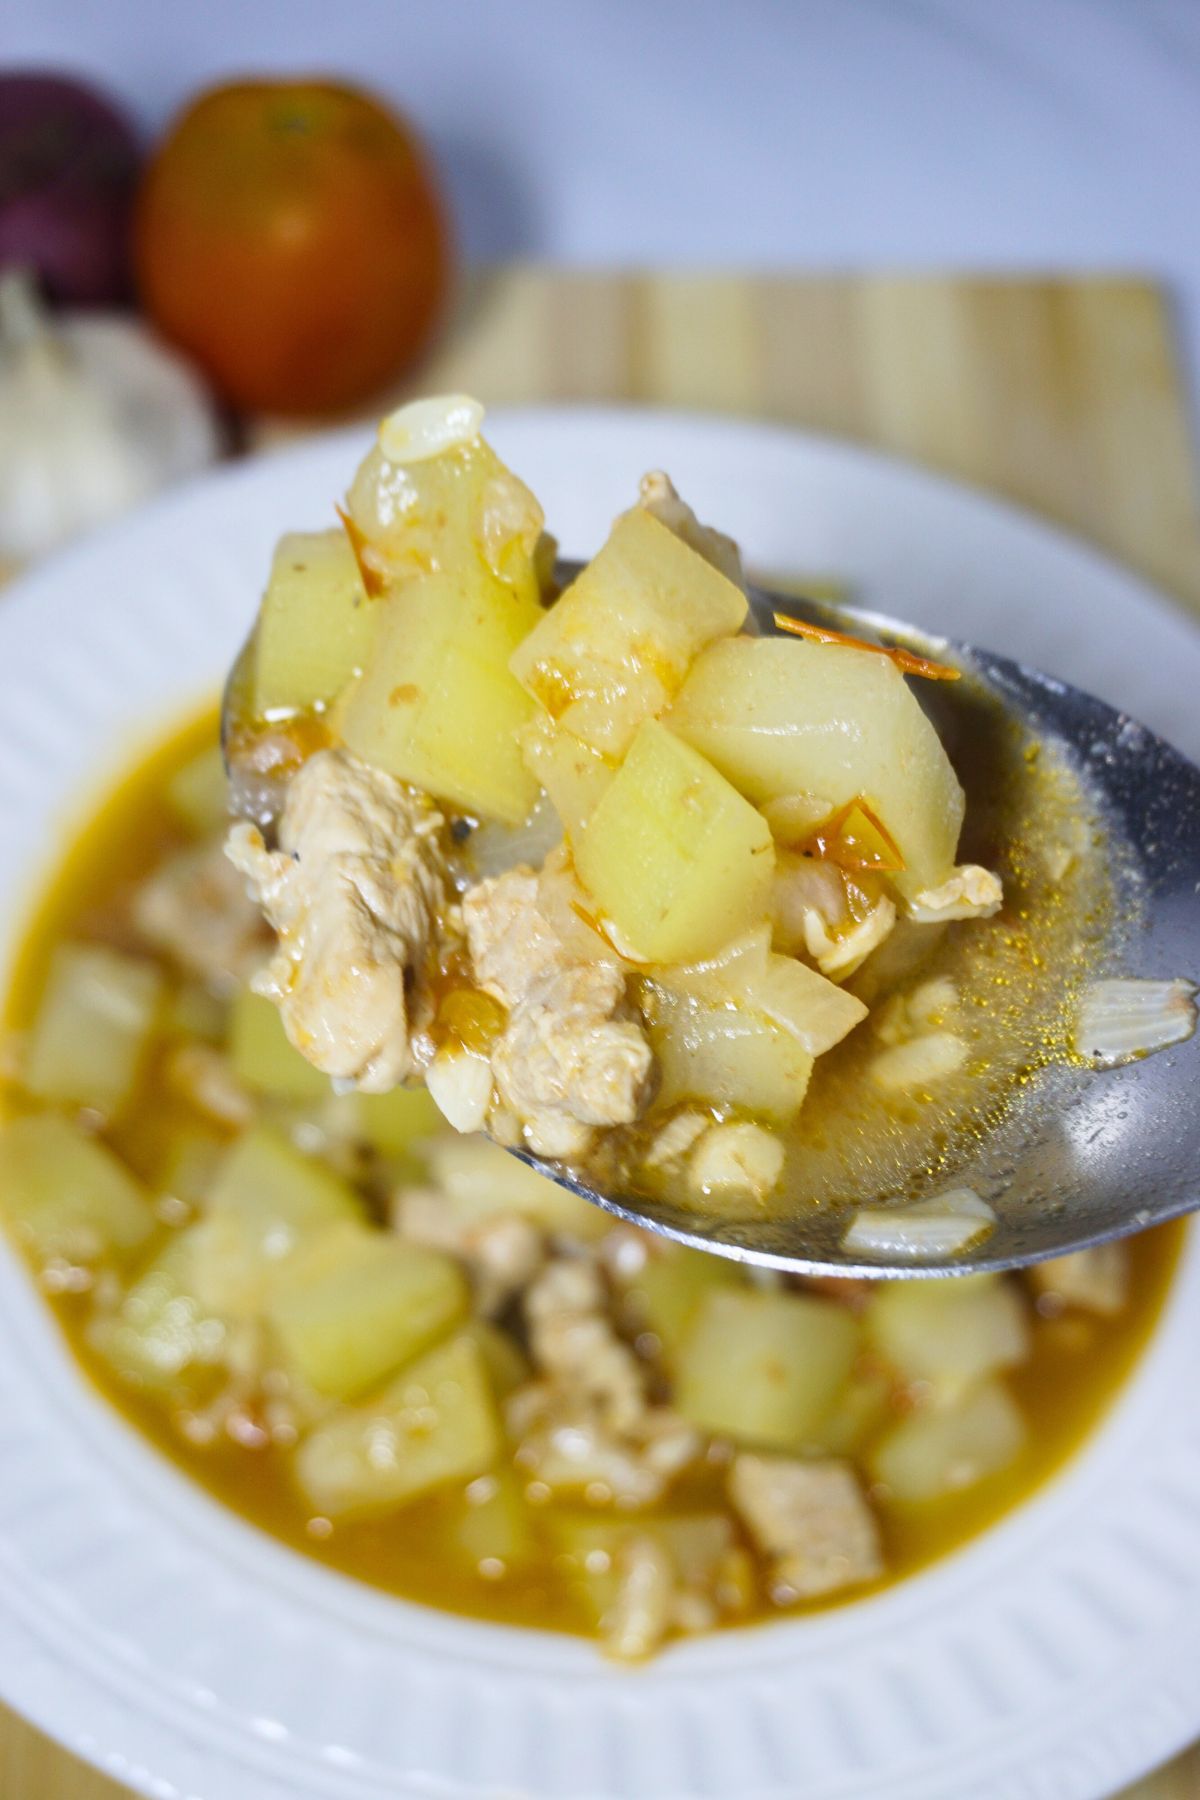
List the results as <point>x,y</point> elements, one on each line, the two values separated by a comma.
<point>1007,134</point>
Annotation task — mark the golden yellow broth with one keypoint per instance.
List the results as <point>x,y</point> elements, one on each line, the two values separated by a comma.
<point>1077,1367</point>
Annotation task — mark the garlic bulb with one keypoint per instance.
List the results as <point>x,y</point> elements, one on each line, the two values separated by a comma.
<point>95,415</point>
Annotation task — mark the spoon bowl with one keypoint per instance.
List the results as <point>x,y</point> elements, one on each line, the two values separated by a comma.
<point>1089,1155</point>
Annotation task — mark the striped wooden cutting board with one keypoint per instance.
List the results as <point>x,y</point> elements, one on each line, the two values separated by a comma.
<point>1062,395</point>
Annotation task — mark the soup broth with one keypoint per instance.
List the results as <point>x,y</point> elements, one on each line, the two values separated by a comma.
<point>507,1536</point>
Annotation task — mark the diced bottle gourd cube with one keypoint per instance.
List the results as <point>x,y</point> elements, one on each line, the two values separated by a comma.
<point>67,1196</point>
<point>480,1181</point>
<point>588,1550</point>
<point>950,1334</point>
<point>943,1450</point>
<point>435,1423</point>
<point>667,1293</point>
<point>194,1011</point>
<point>393,1123</point>
<point>614,648</point>
<point>93,1027</point>
<point>189,1165</point>
<point>437,705</point>
<point>414,516</point>
<point>161,1338</point>
<point>857,1414</point>
<point>764,1368</point>
<point>675,859</point>
<point>491,1525</point>
<point>352,1305</point>
<point>266,1200</point>
<point>315,624</point>
<point>574,776</point>
<point>263,1058</point>
<point>778,717</point>
<point>265,1179</point>
<point>198,792</point>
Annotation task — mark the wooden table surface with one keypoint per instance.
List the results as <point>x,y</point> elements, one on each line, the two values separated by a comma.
<point>1061,395</point>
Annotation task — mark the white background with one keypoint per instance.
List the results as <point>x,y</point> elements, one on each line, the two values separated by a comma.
<point>1010,134</point>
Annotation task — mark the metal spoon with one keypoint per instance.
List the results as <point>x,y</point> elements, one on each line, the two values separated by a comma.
<point>1091,1155</point>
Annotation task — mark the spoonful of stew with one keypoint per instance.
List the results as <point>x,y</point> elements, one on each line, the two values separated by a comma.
<point>769,925</point>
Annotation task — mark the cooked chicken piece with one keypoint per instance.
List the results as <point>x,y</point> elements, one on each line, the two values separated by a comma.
<point>567,1061</point>
<point>922,1060</point>
<point>512,943</point>
<point>682,1577</point>
<point>928,1007</point>
<point>811,1520</point>
<point>573,1342</point>
<point>969,893</point>
<point>740,1159</point>
<point>570,1058</point>
<point>203,1077</point>
<point>642,1613</point>
<point>565,1444</point>
<point>1095,1280</point>
<point>358,893</point>
<point>195,908</point>
<point>920,1048</point>
<point>657,495</point>
<point>502,1252</point>
<point>589,1425</point>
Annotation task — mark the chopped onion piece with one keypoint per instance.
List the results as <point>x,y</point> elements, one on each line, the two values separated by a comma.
<point>426,428</point>
<point>926,1230</point>
<point>1122,1020</point>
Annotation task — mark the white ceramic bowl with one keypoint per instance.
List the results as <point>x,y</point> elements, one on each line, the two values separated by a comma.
<point>195,1659</point>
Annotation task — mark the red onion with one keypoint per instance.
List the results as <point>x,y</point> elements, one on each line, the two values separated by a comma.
<point>68,168</point>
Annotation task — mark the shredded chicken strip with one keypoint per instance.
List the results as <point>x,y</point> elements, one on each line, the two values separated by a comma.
<point>588,1424</point>
<point>358,893</point>
<point>642,1613</point>
<point>573,1341</point>
<point>563,1443</point>
<point>571,1057</point>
